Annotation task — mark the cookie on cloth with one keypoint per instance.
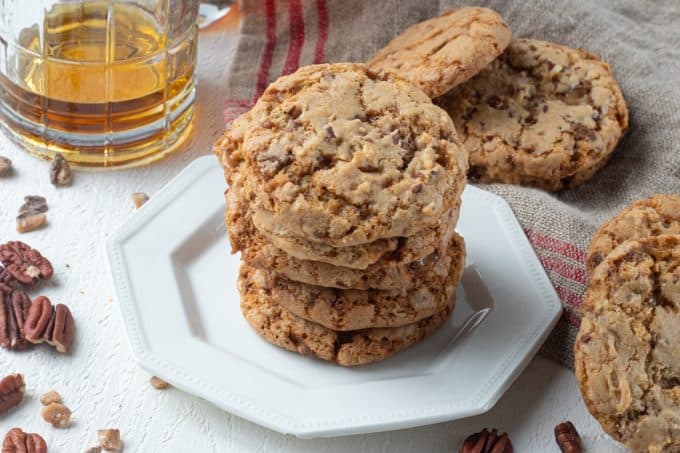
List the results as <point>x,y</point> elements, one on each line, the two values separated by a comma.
<point>626,352</point>
<point>392,270</point>
<point>353,309</point>
<point>340,155</point>
<point>286,330</point>
<point>541,115</point>
<point>444,51</point>
<point>658,214</point>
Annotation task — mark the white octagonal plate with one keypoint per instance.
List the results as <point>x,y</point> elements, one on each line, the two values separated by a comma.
<point>175,280</point>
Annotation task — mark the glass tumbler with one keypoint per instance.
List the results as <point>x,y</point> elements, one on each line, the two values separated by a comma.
<point>107,83</point>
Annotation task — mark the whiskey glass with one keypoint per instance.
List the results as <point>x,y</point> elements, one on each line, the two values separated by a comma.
<point>106,83</point>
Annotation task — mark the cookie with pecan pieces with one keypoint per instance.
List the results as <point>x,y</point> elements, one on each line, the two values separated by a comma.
<point>541,115</point>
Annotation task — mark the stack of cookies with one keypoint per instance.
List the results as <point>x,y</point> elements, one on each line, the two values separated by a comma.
<point>627,353</point>
<point>344,192</point>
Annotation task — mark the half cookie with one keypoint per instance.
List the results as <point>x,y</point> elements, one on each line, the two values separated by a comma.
<point>626,352</point>
<point>286,330</point>
<point>541,115</point>
<point>659,214</point>
<point>442,52</point>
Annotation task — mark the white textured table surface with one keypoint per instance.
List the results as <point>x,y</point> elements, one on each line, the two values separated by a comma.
<point>100,381</point>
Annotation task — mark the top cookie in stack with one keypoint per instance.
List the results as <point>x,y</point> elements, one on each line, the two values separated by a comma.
<point>345,185</point>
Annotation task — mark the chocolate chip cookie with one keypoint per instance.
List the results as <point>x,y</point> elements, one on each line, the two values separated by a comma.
<point>659,214</point>
<point>353,309</point>
<point>340,155</point>
<point>626,351</point>
<point>286,330</point>
<point>442,52</point>
<point>541,115</point>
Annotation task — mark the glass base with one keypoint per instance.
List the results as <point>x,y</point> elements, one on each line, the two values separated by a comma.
<point>131,148</point>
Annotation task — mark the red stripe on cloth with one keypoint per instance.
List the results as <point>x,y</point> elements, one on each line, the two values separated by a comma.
<point>568,296</point>
<point>556,245</point>
<point>268,55</point>
<point>566,270</point>
<point>320,50</point>
<point>297,37</point>
<point>238,103</point>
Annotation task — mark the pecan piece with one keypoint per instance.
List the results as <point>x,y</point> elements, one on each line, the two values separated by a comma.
<point>138,199</point>
<point>12,390</point>
<point>158,383</point>
<point>109,439</point>
<point>57,415</point>
<point>487,441</point>
<point>5,166</point>
<point>13,313</point>
<point>6,280</point>
<point>60,171</point>
<point>50,397</point>
<point>17,441</point>
<point>25,264</point>
<point>30,222</point>
<point>33,204</point>
<point>567,438</point>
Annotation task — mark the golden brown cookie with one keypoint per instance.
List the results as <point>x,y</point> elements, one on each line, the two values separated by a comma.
<point>442,52</point>
<point>286,330</point>
<point>658,214</point>
<point>540,115</point>
<point>342,156</point>
<point>626,352</point>
<point>353,309</point>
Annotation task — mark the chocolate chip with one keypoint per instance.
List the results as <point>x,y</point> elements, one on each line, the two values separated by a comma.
<point>417,188</point>
<point>494,101</point>
<point>294,111</point>
<point>330,133</point>
<point>545,108</point>
<point>549,64</point>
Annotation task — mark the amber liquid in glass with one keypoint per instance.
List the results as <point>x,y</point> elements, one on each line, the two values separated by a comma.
<point>101,85</point>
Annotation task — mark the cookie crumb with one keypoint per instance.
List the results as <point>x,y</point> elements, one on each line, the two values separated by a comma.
<point>139,198</point>
<point>60,171</point>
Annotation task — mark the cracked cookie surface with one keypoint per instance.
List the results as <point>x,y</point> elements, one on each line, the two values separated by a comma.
<point>384,264</point>
<point>541,115</point>
<point>342,156</point>
<point>658,214</point>
<point>626,352</point>
<point>286,330</point>
<point>442,52</point>
<point>353,309</point>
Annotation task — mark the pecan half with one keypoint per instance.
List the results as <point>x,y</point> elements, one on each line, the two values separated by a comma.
<point>12,390</point>
<point>25,264</point>
<point>38,319</point>
<point>567,438</point>
<point>13,313</point>
<point>61,329</point>
<point>17,441</point>
<point>487,441</point>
